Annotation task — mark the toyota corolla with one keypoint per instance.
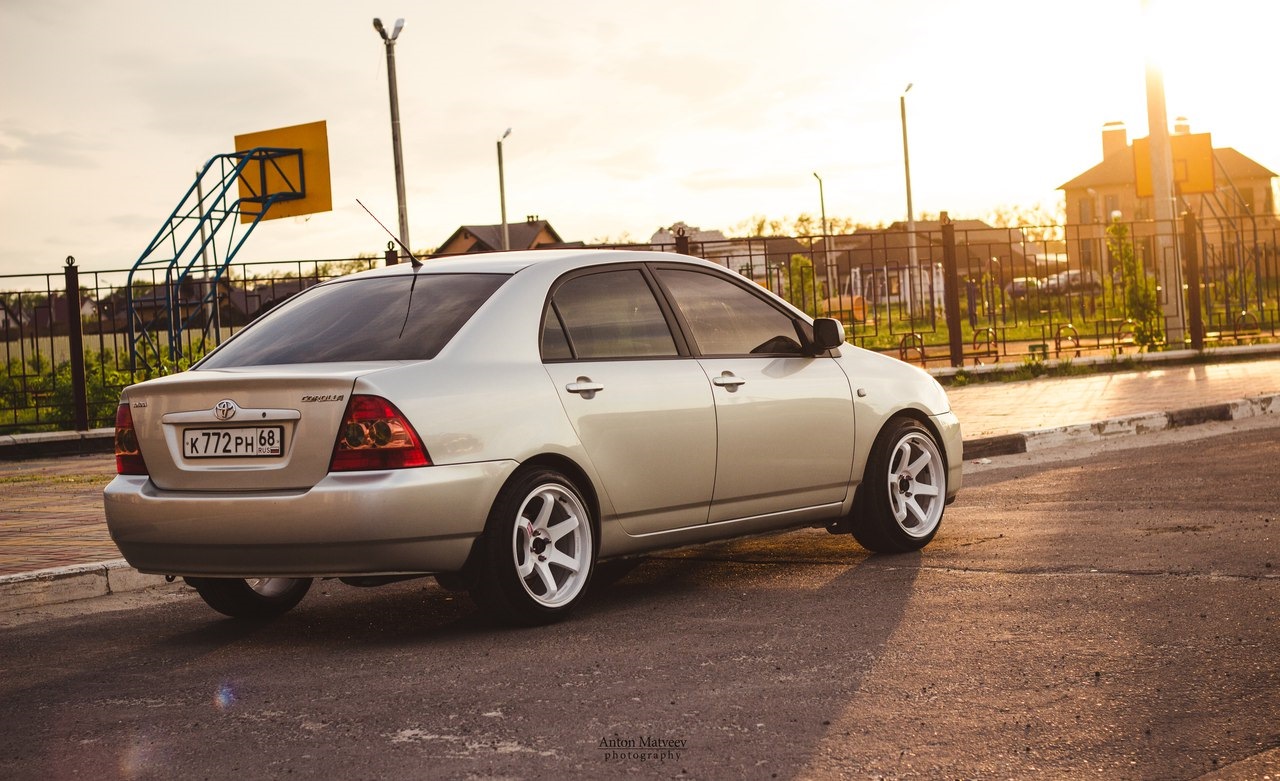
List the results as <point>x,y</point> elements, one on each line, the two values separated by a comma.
<point>505,422</point>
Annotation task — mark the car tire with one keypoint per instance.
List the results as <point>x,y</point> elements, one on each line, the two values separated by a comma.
<point>903,494</point>
<point>255,599</point>
<point>538,551</point>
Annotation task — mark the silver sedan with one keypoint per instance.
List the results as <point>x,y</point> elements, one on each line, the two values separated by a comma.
<point>505,422</point>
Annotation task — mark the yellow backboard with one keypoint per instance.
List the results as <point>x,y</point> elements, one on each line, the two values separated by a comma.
<point>1192,164</point>
<point>287,173</point>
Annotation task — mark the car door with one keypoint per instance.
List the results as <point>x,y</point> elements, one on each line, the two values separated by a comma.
<point>785,422</point>
<point>643,412</point>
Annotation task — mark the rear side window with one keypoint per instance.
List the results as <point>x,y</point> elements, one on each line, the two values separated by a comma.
<point>398,318</point>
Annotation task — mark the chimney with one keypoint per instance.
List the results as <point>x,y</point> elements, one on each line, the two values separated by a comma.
<point>1181,127</point>
<point>1114,139</point>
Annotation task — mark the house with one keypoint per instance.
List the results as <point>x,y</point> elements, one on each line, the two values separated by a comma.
<point>760,258</point>
<point>530,234</point>
<point>1241,195</point>
<point>10,319</point>
<point>875,263</point>
<point>50,315</point>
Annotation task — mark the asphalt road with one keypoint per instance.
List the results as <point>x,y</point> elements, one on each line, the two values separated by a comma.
<point>1110,613</point>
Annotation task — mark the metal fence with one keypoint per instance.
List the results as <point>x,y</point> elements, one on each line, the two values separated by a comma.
<point>1025,293</point>
<point>65,341</point>
<point>957,293</point>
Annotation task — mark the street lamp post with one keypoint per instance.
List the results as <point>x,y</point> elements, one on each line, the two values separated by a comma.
<point>913,261</point>
<point>826,237</point>
<point>502,194</point>
<point>390,42</point>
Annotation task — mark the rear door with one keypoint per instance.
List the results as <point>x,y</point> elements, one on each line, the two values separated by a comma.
<point>643,412</point>
<point>785,419</point>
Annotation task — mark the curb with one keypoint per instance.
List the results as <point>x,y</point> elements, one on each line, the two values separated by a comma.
<point>69,584</point>
<point>1126,426</point>
<point>14,447</point>
<point>85,581</point>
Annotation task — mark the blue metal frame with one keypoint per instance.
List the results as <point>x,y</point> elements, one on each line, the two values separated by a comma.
<point>179,248</point>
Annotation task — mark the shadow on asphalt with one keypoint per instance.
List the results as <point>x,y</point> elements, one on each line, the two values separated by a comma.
<point>751,650</point>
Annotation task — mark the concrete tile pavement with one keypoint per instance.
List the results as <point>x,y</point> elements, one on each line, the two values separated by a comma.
<point>998,408</point>
<point>51,515</point>
<point>54,544</point>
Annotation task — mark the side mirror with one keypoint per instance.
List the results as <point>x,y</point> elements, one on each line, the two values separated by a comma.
<point>828,334</point>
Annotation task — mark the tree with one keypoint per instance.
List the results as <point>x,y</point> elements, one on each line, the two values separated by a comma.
<point>805,224</point>
<point>803,290</point>
<point>1038,222</point>
<point>1140,305</point>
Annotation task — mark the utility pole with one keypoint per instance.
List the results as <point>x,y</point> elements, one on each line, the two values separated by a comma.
<point>390,42</point>
<point>1162,196</point>
<point>502,195</point>
<point>913,259</point>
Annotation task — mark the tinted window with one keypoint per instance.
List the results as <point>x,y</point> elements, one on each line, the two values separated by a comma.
<point>369,319</point>
<point>555,345</point>
<point>726,319</point>
<point>609,315</point>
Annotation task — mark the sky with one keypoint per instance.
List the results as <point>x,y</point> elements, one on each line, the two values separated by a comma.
<point>625,116</point>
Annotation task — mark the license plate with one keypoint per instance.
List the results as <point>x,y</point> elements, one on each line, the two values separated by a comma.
<point>253,442</point>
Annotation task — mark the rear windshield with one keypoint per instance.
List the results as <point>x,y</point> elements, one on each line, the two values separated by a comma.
<point>372,319</point>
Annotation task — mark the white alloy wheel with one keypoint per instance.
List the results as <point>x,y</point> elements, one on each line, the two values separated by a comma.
<point>538,551</point>
<point>551,545</point>
<point>917,484</point>
<point>903,494</point>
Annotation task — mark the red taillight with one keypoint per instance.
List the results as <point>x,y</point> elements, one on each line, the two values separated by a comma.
<point>374,435</point>
<point>128,454</point>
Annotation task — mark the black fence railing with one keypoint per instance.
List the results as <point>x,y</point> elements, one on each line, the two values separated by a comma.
<point>1016,294</point>
<point>64,338</point>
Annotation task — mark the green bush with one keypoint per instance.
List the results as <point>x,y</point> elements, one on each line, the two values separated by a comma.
<point>41,397</point>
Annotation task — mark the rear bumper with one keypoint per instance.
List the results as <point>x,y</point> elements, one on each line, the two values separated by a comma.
<point>355,523</point>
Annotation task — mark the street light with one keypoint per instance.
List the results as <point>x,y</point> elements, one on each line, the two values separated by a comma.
<point>913,262</point>
<point>822,203</point>
<point>502,194</point>
<point>390,42</point>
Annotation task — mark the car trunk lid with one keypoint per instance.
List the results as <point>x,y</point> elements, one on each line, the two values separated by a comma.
<point>256,428</point>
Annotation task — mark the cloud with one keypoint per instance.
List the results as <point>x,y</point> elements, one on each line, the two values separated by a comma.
<point>57,149</point>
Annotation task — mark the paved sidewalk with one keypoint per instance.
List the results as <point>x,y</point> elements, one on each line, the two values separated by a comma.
<point>997,408</point>
<point>51,517</point>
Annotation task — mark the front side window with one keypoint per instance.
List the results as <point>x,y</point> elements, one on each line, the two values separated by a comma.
<point>725,319</point>
<point>611,314</point>
<point>391,318</point>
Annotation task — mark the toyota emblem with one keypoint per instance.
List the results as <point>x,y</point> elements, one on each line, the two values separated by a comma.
<point>225,409</point>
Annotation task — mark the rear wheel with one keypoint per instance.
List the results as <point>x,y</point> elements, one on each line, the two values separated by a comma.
<point>538,551</point>
<point>903,493</point>
<point>252,598</point>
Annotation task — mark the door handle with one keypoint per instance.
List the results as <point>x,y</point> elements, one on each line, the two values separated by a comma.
<point>584,387</point>
<point>728,380</point>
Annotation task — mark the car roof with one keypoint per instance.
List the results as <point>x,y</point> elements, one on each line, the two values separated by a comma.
<point>514,262</point>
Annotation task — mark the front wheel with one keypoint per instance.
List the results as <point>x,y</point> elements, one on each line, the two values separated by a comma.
<point>252,598</point>
<point>904,490</point>
<point>538,552</point>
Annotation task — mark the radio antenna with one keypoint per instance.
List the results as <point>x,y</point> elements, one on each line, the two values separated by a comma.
<point>416,263</point>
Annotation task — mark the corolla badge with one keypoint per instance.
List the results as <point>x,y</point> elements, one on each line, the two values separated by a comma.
<point>225,409</point>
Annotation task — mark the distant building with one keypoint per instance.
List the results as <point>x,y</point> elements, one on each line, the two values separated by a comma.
<point>533,233</point>
<point>875,263</point>
<point>1243,199</point>
<point>761,258</point>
